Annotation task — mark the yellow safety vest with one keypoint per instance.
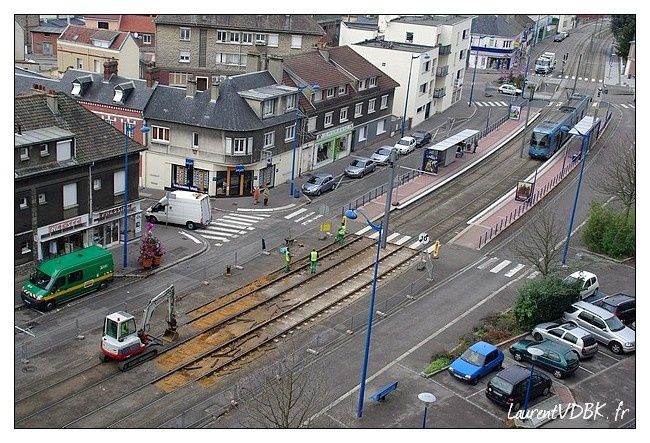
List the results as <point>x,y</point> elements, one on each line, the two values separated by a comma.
<point>313,255</point>
<point>287,256</point>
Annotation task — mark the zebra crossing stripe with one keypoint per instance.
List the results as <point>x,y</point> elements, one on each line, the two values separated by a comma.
<point>312,219</point>
<point>491,104</point>
<point>212,227</point>
<point>487,263</point>
<point>215,231</point>
<point>478,103</point>
<point>514,270</point>
<point>503,103</point>
<point>593,79</point>
<point>218,244</point>
<point>403,240</point>
<point>293,214</point>
<point>392,236</point>
<point>363,231</point>
<point>415,245</point>
<point>374,235</point>
<point>631,106</point>
<point>624,106</point>
<point>566,76</point>
<point>594,104</point>
<point>533,274</point>
<point>573,77</point>
<point>214,237</point>
<point>231,219</point>
<point>239,228</point>
<point>430,249</point>
<point>252,218</point>
<point>304,217</point>
<point>500,266</point>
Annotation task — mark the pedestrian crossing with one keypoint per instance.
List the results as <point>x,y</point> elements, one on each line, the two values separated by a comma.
<point>230,226</point>
<point>628,106</point>
<point>396,239</point>
<point>488,104</point>
<point>303,216</point>
<point>564,76</point>
<point>507,268</point>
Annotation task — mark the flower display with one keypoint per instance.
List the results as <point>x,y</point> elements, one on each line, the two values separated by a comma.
<point>150,245</point>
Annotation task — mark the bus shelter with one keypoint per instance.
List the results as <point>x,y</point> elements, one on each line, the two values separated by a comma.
<point>446,152</point>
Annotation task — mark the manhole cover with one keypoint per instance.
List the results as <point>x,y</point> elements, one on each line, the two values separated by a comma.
<point>29,368</point>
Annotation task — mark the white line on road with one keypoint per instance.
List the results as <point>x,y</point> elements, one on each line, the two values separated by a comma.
<point>415,245</point>
<point>252,218</point>
<point>227,225</point>
<point>231,219</point>
<point>363,231</point>
<point>534,274</point>
<point>374,235</point>
<point>392,236</point>
<point>195,240</point>
<point>503,103</point>
<point>403,240</point>
<point>624,106</point>
<point>478,103</point>
<point>514,270</point>
<point>305,216</point>
<point>586,370</point>
<point>214,231</point>
<point>312,219</point>
<point>293,214</point>
<point>500,266</point>
<point>214,237</point>
<point>487,263</point>
<point>607,355</point>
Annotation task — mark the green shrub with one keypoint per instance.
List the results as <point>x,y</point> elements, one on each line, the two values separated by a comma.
<point>543,300</point>
<point>439,362</point>
<point>609,233</point>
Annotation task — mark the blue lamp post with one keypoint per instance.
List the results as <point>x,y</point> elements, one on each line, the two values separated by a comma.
<point>128,132</point>
<point>471,90</point>
<point>408,87</point>
<point>583,154</point>
<point>534,352</point>
<point>352,214</point>
<point>315,87</point>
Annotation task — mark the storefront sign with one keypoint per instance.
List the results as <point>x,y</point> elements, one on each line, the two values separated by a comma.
<point>333,133</point>
<point>239,169</point>
<point>63,226</point>
<point>100,216</point>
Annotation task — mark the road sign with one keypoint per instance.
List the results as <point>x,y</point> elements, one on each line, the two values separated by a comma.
<point>423,238</point>
<point>239,169</point>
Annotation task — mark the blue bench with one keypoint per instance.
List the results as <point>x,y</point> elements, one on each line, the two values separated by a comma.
<point>383,392</point>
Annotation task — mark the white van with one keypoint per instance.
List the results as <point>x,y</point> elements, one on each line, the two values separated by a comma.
<point>187,208</point>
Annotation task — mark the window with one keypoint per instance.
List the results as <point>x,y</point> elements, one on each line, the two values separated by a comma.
<point>461,54</point>
<point>45,151</point>
<point>328,119</point>
<point>317,96</point>
<point>184,56</point>
<point>42,198</point>
<point>118,182</point>
<point>269,107</point>
<point>222,36</point>
<point>465,33</point>
<point>226,58</point>
<point>381,126</point>
<point>296,41</point>
<point>146,39</point>
<point>23,203</point>
<point>63,150</point>
<point>371,105</point>
<point>69,195</point>
<point>239,146</point>
<point>75,276</point>
<point>233,37</point>
<point>25,247</point>
<point>102,25</point>
<point>291,102</point>
<point>24,154</point>
<point>362,84</point>
<point>289,133</point>
<point>247,38</point>
<point>556,333</point>
<point>343,115</point>
<point>372,82</point>
<point>330,93</point>
<point>409,37</point>
<point>427,66</point>
<point>269,139</point>
<point>571,338</point>
<point>311,124</point>
<point>423,88</point>
<point>363,130</point>
<point>178,78</point>
<point>273,40</point>
<point>76,88</point>
<point>507,44</point>
<point>195,139</point>
<point>159,134</point>
<point>384,102</point>
<point>260,38</point>
<point>343,90</point>
<point>185,34</point>
<point>80,64</point>
<point>97,184</point>
<point>358,110</point>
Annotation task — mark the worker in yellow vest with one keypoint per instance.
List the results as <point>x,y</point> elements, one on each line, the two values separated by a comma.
<point>313,260</point>
<point>340,234</point>
<point>287,260</point>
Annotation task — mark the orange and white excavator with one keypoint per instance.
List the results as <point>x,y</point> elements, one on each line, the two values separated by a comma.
<point>129,346</point>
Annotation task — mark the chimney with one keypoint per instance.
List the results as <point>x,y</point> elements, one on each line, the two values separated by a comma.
<point>52,101</point>
<point>150,75</point>
<point>325,54</point>
<point>275,68</point>
<point>191,88</point>
<point>110,68</point>
<point>214,91</point>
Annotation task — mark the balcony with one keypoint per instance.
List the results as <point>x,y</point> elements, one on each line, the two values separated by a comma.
<point>442,71</point>
<point>439,93</point>
<point>444,50</point>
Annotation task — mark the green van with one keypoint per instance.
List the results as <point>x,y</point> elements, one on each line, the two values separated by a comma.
<point>68,276</point>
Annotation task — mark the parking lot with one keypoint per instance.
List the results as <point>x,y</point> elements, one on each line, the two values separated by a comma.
<point>603,383</point>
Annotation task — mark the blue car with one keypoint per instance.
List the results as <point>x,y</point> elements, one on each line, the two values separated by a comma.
<point>478,360</point>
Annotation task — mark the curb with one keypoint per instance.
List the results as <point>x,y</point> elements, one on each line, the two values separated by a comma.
<point>280,208</point>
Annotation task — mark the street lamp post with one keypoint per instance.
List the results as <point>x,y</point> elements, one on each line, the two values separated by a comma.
<point>535,352</point>
<point>583,154</point>
<point>314,87</point>
<point>471,91</point>
<point>408,87</point>
<point>428,399</point>
<point>352,214</point>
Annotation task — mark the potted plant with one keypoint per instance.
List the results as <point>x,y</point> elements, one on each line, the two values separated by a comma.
<point>149,247</point>
<point>158,253</point>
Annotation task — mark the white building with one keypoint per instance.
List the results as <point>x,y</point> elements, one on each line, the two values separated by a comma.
<point>565,22</point>
<point>355,32</point>
<point>498,41</point>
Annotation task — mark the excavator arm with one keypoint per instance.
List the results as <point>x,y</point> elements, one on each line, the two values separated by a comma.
<point>165,296</point>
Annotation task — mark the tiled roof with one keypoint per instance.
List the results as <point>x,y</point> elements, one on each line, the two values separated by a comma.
<point>295,23</point>
<point>138,23</point>
<point>83,36</point>
<point>95,139</point>
<point>62,22</point>
<point>359,67</point>
<point>496,25</point>
<point>230,112</point>
<point>313,68</point>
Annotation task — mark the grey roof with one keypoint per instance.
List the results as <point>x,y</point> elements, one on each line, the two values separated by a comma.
<point>62,22</point>
<point>105,35</point>
<point>267,92</point>
<point>229,112</point>
<point>432,20</point>
<point>362,25</point>
<point>296,23</point>
<point>40,135</point>
<point>23,81</point>
<point>397,46</point>
<point>496,25</point>
<point>18,70</point>
<point>52,29</point>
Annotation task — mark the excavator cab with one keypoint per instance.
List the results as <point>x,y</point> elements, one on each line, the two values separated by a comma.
<point>120,339</point>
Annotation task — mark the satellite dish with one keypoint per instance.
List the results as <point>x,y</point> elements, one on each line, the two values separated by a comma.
<point>136,35</point>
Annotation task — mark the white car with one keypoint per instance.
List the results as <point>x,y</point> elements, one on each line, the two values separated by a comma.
<point>589,282</point>
<point>406,145</point>
<point>509,89</point>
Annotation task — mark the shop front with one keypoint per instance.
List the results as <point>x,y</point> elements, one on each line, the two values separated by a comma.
<point>235,181</point>
<point>189,177</point>
<point>62,237</point>
<point>108,225</point>
<point>331,145</point>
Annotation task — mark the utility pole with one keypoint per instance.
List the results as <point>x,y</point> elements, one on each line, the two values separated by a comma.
<point>530,101</point>
<point>575,81</point>
<point>389,196</point>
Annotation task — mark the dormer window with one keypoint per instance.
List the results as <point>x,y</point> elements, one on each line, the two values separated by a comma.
<point>76,88</point>
<point>24,154</point>
<point>269,108</point>
<point>330,93</point>
<point>291,102</point>
<point>363,84</point>
<point>122,92</point>
<point>118,96</point>
<point>45,151</point>
<point>373,82</point>
<point>343,90</point>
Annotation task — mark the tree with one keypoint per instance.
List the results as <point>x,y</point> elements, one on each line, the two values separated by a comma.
<point>544,300</point>
<point>619,179</point>
<point>282,396</point>
<point>624,29</point>
<point>538,247</point>
<point>607,232</point>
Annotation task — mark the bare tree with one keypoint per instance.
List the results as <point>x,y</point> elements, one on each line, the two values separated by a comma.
<point>619,179</point>
<point>284,395</point>
<point>538,246</point>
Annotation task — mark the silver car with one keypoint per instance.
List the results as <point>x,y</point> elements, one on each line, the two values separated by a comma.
<point>569,335</point>
<point>360,167</point>
<point>382,155</point>
<point>318,183</point>
<point>603,325</point>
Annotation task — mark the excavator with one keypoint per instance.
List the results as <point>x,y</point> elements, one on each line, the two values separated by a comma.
<point>129,346</point>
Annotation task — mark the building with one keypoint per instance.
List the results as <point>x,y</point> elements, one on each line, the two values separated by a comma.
<point>358,31</point>
<point>69,178</point>
<point>351,107</point>
<point>87,49</point>
<point>19,42</point>
<point>26,22</point>
<point>565,23</point>
<point>45,35</point>
<point>630,64</point>
<point>206,46</point>
<point>498,41</point>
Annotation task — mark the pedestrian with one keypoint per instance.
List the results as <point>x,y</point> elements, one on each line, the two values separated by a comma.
<point>266,196</point>
<point>475,146</point>
<point>340,234</point>
<point>256,195</point>
<point>313,260</point>
<point>287,260</point>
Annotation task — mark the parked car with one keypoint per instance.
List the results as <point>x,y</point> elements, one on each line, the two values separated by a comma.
<point>604,325</point>
<point>360,167</point>
<point>422,138</point>
<point>589,282</point>
<point>509,89</point>
<point>405,145</point>
<point>569,335</point>
<point>509,386</point>
<point>560,36</point>
<point>621,305</point>
<point>477,361</point>
<point>318,183</point>
<point>382,155</point>
<point>559,359</point>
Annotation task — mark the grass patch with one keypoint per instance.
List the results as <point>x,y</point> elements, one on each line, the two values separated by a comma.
<point>438,363</point>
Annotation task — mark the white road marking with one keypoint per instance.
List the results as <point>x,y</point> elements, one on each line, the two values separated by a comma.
<point>478,103</point>
<point>573,77</point>
<point>487,263</point>
<point>403,240</point>
<point>632,106</point>
<point>586,370</point>
<point>594,105</point>
<point>503,103</point>
<point>312,219</point>
<point>231,219</point>
<point>214,237</point>
<point>593,79</point>
<point>500,266</point>
<point>607,355</point>
<point>392,236</point>
<point>415,245</point>
<point>194,239</point>
<point>293,214</point>
<point>534,274</point>
<point>252,218</point>
<point>215,231</point>
<point>305,216</point>
<point>363,231</point>
<point>622,105</point>
<point>218,244</point>
<point>514,270</point>
<point>491,104</point>
<point>227,225</point>
<point>219,228</point>
<point>374,235</point>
